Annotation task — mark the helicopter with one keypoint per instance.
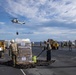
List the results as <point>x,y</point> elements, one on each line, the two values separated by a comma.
<point>15,20</point>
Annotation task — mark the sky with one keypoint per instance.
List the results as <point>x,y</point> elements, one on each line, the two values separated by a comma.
<point>44,19</point>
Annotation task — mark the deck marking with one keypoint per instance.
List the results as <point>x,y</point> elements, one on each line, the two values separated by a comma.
<point>23,72</point>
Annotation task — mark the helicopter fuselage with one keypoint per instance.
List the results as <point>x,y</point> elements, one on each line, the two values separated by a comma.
<point>17,21</point>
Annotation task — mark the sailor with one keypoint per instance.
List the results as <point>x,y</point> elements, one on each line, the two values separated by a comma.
<point>70,45</point>
<point>48,55</point>
<point>13,48</point>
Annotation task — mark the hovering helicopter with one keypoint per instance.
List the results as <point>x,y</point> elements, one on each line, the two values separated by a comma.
<point>15,20</point>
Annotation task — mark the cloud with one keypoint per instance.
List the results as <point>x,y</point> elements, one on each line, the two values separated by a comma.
<point>3,33</point>
<point>55,31</point>
<point>43,10</point>
<point>27,33</point>
<point>48,18</point>
<point>2,23</point>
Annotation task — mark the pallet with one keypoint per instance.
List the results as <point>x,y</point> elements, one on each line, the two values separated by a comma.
<point>44,62</point>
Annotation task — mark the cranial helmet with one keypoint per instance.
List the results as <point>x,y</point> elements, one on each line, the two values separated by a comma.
<point>12,40</point>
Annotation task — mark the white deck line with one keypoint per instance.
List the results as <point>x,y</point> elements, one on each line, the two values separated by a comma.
<point>23,72</point>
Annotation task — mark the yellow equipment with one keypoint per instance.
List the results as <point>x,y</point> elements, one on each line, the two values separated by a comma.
<point>54,44</point>
<point>34,58</point>
<point>2,47</point>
